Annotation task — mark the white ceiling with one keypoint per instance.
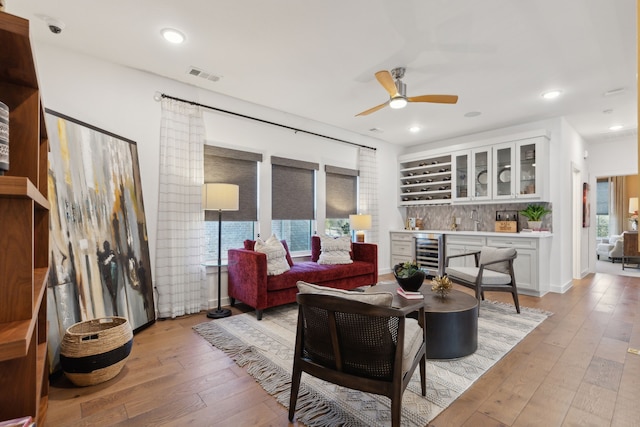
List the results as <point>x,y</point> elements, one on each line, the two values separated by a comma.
<point>317,59</point>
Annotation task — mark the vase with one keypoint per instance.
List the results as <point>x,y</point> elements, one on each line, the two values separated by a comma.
<point>411,283</point>
<point>534,225</point>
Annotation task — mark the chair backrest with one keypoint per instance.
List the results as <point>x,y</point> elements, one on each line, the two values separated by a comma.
<point>351,336</point>
<point>490,254</point>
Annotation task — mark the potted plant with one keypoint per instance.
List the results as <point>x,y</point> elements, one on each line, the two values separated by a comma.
<point>409,276</point>
<point>534,214</point>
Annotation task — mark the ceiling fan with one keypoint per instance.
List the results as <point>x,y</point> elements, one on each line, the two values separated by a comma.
<point>398,92</point>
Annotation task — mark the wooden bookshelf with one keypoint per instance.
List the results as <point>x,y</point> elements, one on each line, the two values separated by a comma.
<point>24,232</point>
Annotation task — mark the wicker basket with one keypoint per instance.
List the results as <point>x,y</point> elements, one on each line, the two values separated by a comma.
<point>96,350</point>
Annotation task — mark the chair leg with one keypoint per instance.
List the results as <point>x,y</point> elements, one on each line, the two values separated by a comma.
<point>259,314</point>
<point>396,408</point>
<point>423,375</point>
<point>514,292</point>
<point>295,387</point>
<point>479,296</point>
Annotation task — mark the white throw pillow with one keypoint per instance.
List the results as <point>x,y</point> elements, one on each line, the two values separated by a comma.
<point>276,255</point>
<point>335,250</point>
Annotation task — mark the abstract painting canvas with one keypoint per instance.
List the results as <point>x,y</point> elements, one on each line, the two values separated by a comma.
<point>99,264</point>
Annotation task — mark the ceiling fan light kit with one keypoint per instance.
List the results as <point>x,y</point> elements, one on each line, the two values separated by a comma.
<point>397,91</point>
<point>398,102</point>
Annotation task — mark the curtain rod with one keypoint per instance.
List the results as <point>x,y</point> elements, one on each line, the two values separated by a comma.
<point>163,95</point>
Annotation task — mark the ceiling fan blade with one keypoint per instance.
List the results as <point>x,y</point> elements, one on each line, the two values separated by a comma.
<point>386,80</point>
<point>372,110</point>
<point>440,99</point>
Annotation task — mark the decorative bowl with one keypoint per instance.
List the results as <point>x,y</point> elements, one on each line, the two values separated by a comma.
<point>411,283</point>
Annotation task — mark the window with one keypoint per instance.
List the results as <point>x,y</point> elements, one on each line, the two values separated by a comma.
<point>293,201</point>
<point>225,165</point>
<point>602,207</point>
<point>342,197</point>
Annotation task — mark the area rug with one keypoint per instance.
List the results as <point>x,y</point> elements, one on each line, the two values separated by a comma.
<point>266,349</point>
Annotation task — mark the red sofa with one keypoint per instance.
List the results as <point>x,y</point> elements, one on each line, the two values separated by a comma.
<point>249,282</point>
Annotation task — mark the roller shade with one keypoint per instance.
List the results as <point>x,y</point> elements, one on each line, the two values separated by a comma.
<point>292,189</point>
<point>224,165</point>
<point>341,192</point>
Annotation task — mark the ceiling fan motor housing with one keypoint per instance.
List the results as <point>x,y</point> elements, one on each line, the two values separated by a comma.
<point>402,89</point>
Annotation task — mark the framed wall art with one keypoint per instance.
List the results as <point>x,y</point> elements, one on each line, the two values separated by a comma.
<point>99,260</point>
<point>586,205</point>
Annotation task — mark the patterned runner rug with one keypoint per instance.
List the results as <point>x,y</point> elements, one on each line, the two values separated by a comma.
<point>266,349</point>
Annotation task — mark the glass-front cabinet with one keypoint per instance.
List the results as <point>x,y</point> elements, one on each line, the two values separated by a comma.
<point>514,170</point>
<point>509,169</point>
<point>471,177</point>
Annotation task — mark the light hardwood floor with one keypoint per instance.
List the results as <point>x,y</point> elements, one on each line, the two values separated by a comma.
<point>573,370</point>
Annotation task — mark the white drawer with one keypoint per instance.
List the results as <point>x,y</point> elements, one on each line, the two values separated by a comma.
<point>402,237</point>
<point>506,242</point>
<point>465,240</point>
<point>402,248</point>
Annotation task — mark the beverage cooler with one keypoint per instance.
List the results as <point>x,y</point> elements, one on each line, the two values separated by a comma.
<point>429,253</point>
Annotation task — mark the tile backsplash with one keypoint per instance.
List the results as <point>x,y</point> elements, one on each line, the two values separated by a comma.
<point>441,217</point>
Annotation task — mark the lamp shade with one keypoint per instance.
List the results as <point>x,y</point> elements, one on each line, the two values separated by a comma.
<point>360,222</point>
<point>220,197</point>
<point>633,205</point>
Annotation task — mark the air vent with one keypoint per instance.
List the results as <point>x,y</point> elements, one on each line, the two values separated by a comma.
<point>203,74</point>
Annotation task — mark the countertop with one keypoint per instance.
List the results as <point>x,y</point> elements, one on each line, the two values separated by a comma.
<point>527,235</point>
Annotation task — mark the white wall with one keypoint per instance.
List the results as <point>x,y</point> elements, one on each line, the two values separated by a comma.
<point>120,100</point>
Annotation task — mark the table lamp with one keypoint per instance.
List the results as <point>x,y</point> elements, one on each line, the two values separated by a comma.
<point>359,223</point>
<point>220,197</point>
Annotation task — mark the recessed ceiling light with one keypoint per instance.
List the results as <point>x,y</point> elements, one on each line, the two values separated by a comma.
<point>615,127</point>
<point>414,129</point>
<point>551,94</point>
<point>172,35</point>
<point>472,114</point>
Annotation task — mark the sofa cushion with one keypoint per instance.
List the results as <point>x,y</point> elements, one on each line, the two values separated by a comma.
<point>316,249</point>
<point>309,271</point>
<point>376,298</point>
<point>489,277</point>
<point>490,254</point>
<point>335,250</point>
<point>250,246</point>
<point>276,255</point>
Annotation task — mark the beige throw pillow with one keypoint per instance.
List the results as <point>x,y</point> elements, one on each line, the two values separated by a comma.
<point>335,250</point>
<point>383,299</point>
<point>276,255</point>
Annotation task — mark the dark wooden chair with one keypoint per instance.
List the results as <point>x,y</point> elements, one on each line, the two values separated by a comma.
<point>493,271</point>
<point>358,345</point>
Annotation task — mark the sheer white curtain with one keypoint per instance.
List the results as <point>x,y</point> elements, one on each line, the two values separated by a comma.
<point>179,275</point>
<point>617,205</point>
<point>368,189</point>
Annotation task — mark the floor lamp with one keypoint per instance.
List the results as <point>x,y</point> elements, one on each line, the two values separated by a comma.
<point>220,197</point>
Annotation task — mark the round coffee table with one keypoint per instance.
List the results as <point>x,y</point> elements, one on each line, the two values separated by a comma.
<point>451,323</point>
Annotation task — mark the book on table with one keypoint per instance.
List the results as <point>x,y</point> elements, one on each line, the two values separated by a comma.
<point>410,294</point>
